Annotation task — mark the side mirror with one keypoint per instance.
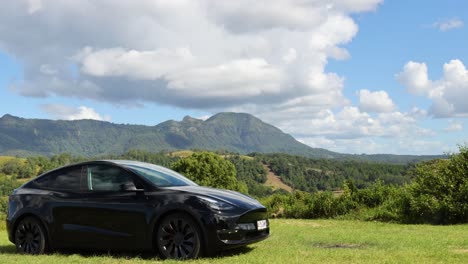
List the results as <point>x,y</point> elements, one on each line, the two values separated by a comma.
<point>130,187</point>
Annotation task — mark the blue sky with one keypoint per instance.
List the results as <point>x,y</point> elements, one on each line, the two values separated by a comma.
<point>354,76</point>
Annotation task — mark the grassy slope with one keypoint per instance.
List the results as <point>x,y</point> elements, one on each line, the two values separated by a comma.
<point>309,241</point>
<point>275,181</point>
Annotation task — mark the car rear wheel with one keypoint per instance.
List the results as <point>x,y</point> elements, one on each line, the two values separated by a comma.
<point>178,237</point>
<point>30,236</point>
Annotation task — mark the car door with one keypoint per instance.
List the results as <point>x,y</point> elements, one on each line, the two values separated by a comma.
<point>65,202</point>
<point>116,215</point>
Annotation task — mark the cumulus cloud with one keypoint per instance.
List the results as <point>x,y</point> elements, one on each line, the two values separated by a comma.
<point>450,24</point>
<point>353,146</point>
<point>351,123</point>
<point>378,101</point>
<point>454,126</point>
<point>414,76</point>
<point>196,54</point>
<point>64,112</point>
<point>139,65</point>
<point>448,94</point>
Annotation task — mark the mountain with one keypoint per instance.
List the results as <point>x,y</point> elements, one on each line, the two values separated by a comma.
<point>236,132</point>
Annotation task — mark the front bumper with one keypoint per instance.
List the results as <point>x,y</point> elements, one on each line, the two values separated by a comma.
<point>9,228</point>
<point>231,230</point>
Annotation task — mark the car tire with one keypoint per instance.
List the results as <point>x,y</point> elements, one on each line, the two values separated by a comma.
<point>30,237</point>
<point>178,237</point>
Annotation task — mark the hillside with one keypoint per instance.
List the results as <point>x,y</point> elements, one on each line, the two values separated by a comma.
<point>233,132</point>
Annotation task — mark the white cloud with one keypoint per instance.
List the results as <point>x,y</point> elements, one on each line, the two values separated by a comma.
<point>450,24</point>
<point>419,146</point>
<point>187,53</point>
<point>65,112</point>
<point>448,94</point>
<point>290,56</point>
<point>350,123</point>
<point>143,65</point>
<point>238,78</point>
<point>377,101</point>
<point>357,5</point>
<point>454,126</point>
<point>414,77</point>
<point>417,113</point>
<point>34,6</point>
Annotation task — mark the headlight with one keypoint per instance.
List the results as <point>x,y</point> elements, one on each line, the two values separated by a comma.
<point>216,204</point>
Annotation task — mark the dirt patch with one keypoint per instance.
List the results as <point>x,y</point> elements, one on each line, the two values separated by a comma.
<point>461,251</point>
<point>340,245</point>
<point>275,181</point>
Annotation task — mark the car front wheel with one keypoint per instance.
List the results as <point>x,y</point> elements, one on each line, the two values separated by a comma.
<point>30,236</point>
<point>178,237</point>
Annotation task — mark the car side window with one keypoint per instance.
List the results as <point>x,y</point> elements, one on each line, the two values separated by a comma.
<point>107,178</point>
<point>65,179</point>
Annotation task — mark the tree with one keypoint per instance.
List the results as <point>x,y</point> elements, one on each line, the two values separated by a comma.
<point>12,166</point>
<point>439,193</point>
<point>209,169</point>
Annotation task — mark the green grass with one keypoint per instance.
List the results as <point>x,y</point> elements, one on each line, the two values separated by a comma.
<point>307,241</point>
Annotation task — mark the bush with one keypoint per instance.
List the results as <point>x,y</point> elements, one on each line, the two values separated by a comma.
<point>3,204</point>
<point>306,205</point>
<point>439,193</point>
<point>209,169</point>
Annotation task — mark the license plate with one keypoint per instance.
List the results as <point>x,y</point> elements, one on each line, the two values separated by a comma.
<point>261,224</point>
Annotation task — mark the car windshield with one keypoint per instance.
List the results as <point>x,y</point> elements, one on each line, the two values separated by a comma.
<point>160,176</point>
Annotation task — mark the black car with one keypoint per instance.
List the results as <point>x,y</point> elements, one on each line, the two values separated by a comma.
<point>116,204</point>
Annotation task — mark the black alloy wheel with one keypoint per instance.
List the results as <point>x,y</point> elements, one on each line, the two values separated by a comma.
<point>178,237</point>
<point>30,236</point>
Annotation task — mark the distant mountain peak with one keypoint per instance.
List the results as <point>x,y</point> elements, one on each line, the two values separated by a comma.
<point>232,115</point>
<point>8,116</point>
<point>188,118</point>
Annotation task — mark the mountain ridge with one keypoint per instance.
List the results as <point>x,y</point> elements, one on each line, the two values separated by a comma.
<point>234,132</point>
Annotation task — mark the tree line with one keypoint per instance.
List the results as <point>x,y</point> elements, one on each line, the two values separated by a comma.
<point>428,192</point>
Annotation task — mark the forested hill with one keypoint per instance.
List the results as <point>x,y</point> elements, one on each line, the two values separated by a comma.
<point>234,132</point>
<point>242,133</point>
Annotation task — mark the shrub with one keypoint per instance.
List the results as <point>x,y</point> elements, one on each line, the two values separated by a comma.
<point>439,193</point>
<point>3,204</point>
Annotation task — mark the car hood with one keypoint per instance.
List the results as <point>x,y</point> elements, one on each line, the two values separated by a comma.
<point>232,197</point>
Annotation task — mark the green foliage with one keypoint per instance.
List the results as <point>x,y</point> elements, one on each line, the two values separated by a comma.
<point>3,204</point>
<point>248,168</point>
<point>12,166</point>
<point>439,192</point>
<point>306,205</point>
<point>310,175</point>
<point>7,185</point>
<point>159,158</point>
<point>252,174</point>
<point>209,169</point>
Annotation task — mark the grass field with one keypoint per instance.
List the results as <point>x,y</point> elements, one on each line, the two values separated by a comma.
<point>306,241</point>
